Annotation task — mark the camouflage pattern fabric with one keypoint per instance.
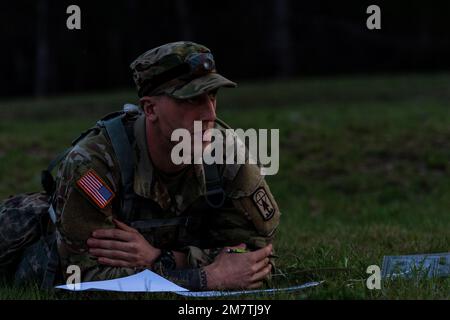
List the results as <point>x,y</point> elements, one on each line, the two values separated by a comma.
<point>34,262</point>
<point>159,61</point>
<point>23,220</point>
<point>241,220</point>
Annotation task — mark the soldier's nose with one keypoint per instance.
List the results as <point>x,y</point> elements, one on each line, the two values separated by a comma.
<point>209,109</point>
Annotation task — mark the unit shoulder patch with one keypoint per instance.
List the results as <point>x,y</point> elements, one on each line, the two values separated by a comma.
<point>95,188</point>
<point>262,201</point>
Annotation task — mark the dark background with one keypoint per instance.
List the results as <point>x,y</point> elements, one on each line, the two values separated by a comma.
<point>250,39</point>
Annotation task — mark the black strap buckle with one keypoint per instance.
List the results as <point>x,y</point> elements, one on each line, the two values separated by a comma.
<point>215,198</point>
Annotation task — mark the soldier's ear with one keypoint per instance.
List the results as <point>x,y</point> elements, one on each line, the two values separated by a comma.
<point>148,105</point>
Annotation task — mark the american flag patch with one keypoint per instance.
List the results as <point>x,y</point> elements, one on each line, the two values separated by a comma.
<point>95,188</point>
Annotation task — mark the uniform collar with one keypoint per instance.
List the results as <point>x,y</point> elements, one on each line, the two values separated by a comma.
<point>147,184</point>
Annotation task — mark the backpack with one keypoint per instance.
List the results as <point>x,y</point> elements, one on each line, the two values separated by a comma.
<point>28,248</point>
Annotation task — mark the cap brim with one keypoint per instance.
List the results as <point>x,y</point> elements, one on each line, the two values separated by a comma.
<point>199,86</point>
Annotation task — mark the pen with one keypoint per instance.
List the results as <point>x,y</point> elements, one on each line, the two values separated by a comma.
<point>241,250</point>
<point>236,250</point>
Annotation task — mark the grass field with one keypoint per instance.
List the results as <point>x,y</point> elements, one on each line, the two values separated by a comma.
<point>364,172</point>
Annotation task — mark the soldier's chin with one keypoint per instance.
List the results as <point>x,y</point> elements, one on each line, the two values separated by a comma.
<point>206,145</point>
<point>206,148</point>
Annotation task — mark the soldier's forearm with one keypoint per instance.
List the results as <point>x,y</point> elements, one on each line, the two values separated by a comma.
<point>192,278</point>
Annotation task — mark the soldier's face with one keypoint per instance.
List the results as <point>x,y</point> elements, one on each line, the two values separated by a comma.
<point>171,114</point>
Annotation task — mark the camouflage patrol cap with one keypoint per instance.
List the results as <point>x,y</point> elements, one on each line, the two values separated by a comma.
<point>179,69</point>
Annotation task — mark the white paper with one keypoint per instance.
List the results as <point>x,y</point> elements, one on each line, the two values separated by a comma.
<point>148,281</point>
<point>145,281</point>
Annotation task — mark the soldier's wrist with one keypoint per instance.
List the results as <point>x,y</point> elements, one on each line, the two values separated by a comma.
<point>203,279</point>
<point>210,274</point>
<point>192,279</point>
<point>154,257</point>
<point>166,260</point>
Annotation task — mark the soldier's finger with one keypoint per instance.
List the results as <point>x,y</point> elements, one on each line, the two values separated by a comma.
<point>115,234</point>
<point>262,253</point>
<point>255,285</point>
<point>124,227</point>
<point>261,275</point>
<point>109,244</point>
<point>260,265</point>
<point>114,262</point>
<point>113,254</point>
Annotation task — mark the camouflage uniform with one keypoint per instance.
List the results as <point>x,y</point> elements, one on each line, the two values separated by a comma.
<point>23,220</point>
<point>242,219</point>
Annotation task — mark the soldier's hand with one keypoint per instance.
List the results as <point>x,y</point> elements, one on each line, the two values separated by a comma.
<point>239,270</point>
<point>122,247</point>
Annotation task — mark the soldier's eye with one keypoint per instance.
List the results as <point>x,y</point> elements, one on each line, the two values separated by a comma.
<point>192,100</point>
<point>212,94</point>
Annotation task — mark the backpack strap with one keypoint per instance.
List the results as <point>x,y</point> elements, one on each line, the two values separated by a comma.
<point>215,195</point>
<point>120,141</point>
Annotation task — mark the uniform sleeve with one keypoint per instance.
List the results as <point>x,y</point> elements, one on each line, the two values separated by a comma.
<point>251,216</point>
<point>79,214</point>
<point>80,210</point>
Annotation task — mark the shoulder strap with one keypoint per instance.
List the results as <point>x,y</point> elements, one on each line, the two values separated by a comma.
<point>215,195</point>
<point>120,141</point>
